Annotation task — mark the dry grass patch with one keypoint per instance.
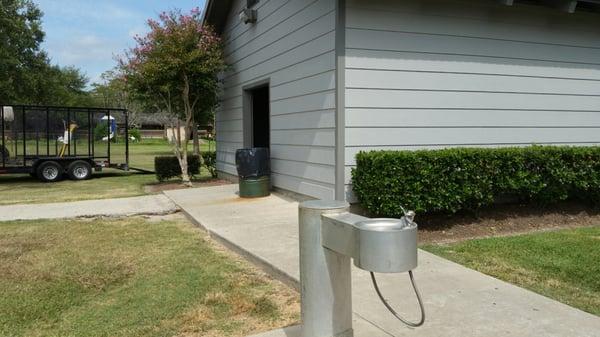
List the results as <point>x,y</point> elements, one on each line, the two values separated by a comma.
<point>131,277</point>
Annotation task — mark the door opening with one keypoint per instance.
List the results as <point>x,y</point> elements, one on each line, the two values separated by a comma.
<point>261,129</point>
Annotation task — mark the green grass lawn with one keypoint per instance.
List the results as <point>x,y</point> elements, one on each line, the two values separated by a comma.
<point>130,277</point>
<point>563,265</point>
<point>110,183</point>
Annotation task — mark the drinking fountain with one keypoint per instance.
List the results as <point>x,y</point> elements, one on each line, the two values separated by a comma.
<point>330,237</point>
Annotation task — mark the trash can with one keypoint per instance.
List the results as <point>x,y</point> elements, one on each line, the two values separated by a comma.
<point>254,171</point>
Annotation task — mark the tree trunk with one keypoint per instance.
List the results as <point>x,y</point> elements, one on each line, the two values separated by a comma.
<point>180,149</point>
<point>178,131</point>
<point>189,120</point>
<point>185,176</point>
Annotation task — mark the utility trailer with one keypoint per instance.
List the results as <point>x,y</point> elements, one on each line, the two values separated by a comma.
<point>53,142</point>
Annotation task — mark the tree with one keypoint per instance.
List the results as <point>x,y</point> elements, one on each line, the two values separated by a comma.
<point>26,74</point>
<point>20,38</point>
<point>175,68</point>
<point>55,85</point>
<point>112,93</point>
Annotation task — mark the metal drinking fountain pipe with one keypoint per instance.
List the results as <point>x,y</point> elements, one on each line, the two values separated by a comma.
<point>325,279</point>
<point>330,237</point>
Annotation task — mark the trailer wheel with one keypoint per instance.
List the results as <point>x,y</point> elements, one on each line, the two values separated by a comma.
<point>50,171</point>
<point>79,170</point>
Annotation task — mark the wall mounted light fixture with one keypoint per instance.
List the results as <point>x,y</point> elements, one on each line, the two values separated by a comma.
<point>248,15</point>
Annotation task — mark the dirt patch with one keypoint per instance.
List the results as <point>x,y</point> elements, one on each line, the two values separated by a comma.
<point>157,188</point>
<point>178,216</point>
<point>504,220</point>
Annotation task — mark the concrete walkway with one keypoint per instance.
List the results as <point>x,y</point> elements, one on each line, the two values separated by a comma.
<point>459,301</point>
<point>151,204</point>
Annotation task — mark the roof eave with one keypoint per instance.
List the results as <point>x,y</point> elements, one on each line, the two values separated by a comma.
<point>216,13</point>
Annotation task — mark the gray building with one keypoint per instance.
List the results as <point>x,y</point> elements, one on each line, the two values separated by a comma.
<point>320,80</point>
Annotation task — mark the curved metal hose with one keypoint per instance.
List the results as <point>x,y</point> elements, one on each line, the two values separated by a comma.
<point>389,307</point>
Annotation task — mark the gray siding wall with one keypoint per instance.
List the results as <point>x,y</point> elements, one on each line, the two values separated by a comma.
<point>293,47</point>
<point>425,74</point>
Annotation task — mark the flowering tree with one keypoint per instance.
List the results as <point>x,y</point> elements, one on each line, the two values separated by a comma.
<point>174,68</point>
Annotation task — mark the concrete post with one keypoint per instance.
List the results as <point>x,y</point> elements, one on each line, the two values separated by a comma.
<point>325,278</point>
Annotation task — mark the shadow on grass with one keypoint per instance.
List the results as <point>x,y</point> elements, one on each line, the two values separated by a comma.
<point>178,181</point>
<point>506,212</point>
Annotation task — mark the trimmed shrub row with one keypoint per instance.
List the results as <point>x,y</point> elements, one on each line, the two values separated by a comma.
<point>457,179</point>
<point>167,167</point>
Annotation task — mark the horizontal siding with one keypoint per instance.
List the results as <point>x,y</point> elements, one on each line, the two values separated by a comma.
<point>304,120</point>
<point>305,103</point>
<point>465,64</point>
<point>469,82</point>
<point>228,147</point>
<point>309,154</point>
<point>465,118</point>
<point>477,19</point>
<point>292,21</point>
<point>314,65</point>
<point>420,136</point>
<point>302,53</point>
<point>303,186</point>
<point>433,74</point>
<point>316,83</point>
<point>305,137</point>
<point>298,38</point>
<point>436,99</point>
<point>314,172</point>
<point>292,47</point>
<point>522,15</point>
<point>458,45</point>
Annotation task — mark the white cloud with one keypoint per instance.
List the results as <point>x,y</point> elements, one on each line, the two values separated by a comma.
<point>74,49</point>
<point>85,10</point>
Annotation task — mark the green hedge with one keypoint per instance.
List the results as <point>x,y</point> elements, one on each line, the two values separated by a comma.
<point>457,179</point>
<point>167,167</point>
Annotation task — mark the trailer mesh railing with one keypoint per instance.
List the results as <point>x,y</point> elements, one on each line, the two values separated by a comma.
<point>29,133</point>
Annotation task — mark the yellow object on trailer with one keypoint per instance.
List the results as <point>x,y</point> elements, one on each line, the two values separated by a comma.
<point>66,139</point>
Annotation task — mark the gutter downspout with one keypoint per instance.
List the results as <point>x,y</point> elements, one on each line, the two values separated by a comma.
<point>340,85</point>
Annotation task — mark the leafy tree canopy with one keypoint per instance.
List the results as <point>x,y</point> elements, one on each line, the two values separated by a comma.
<point>175,68</point>
<point>26,74</point>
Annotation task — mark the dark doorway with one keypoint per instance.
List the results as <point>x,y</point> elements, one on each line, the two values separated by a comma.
<point>261,130</point>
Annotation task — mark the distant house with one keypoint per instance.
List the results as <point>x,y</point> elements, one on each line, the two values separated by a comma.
<point>158,125</point>
<point>150,126</point>
<point>319,80</point>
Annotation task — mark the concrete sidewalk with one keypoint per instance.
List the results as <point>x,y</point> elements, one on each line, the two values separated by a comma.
<point>458,301</point>
<point>151,204</point>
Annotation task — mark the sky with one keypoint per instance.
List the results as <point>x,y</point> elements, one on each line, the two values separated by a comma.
<point>88,34</point>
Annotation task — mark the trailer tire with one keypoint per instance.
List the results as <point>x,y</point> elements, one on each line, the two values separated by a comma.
<point>50,172</point>
<point>79,170</point>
